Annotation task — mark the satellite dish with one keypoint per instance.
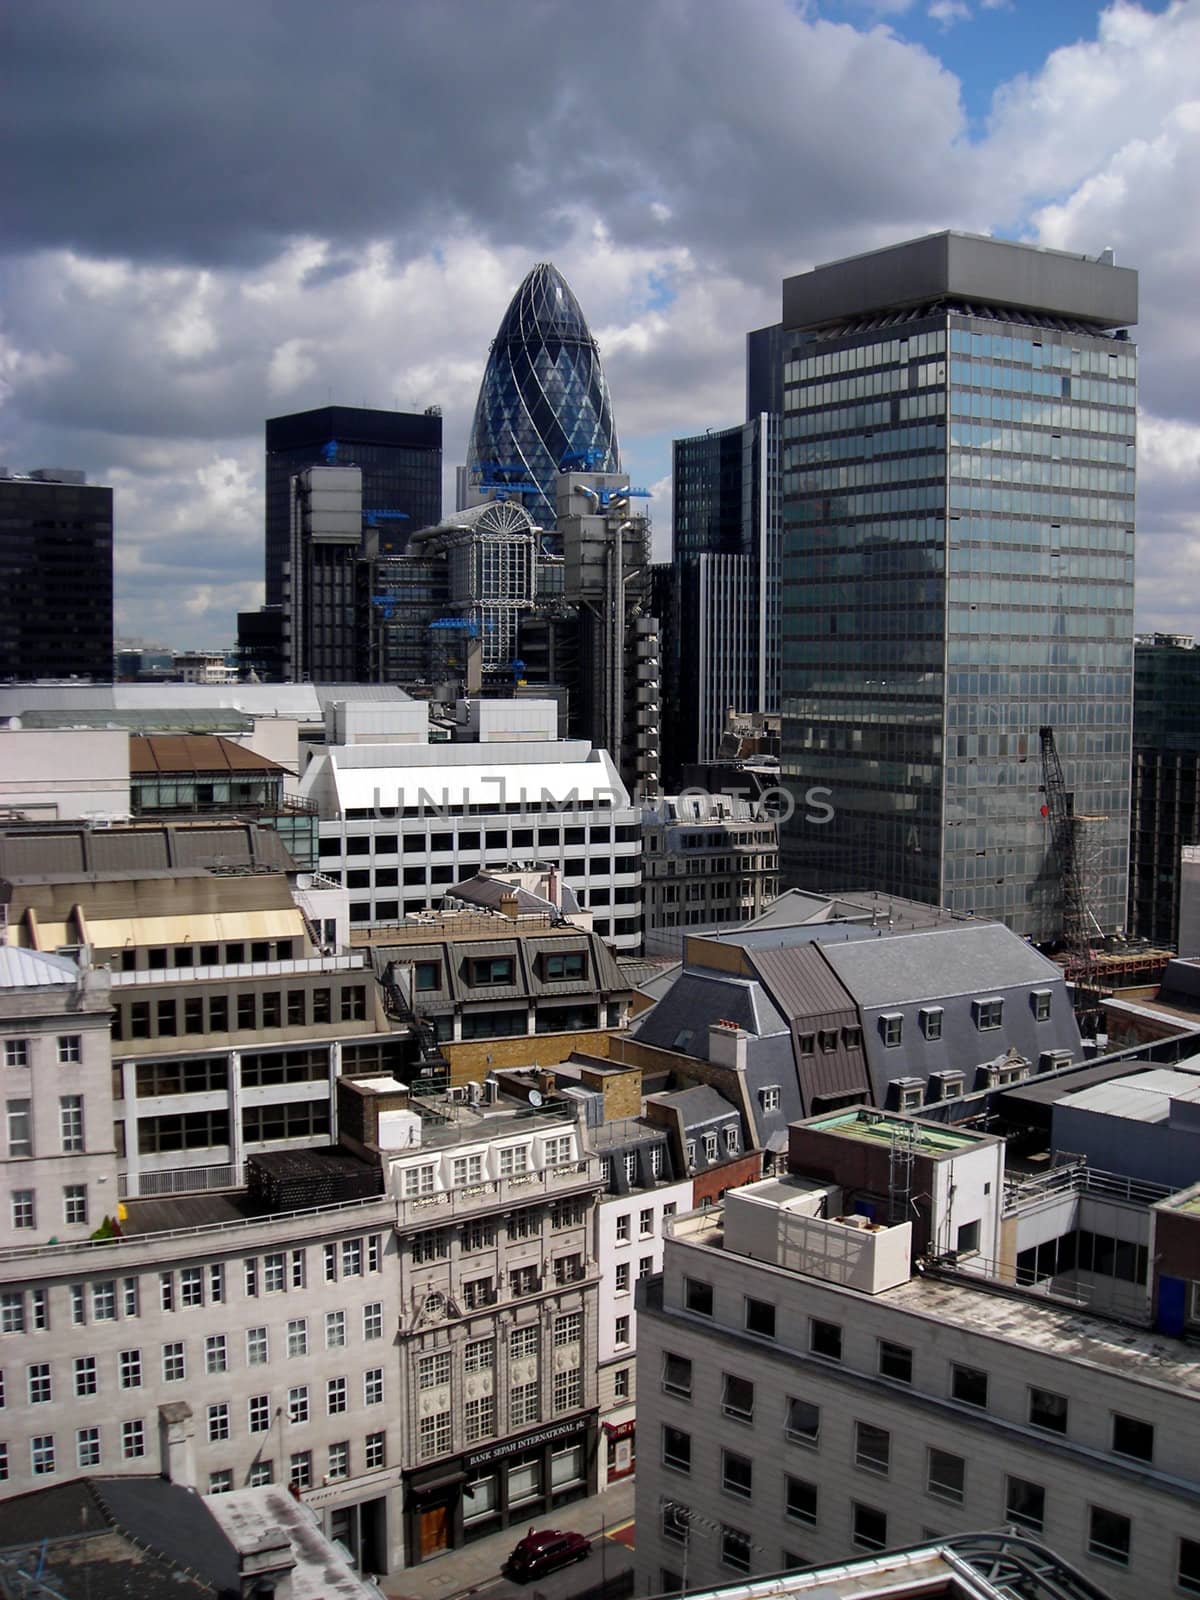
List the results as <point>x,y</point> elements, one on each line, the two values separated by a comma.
<point>535,1098</point>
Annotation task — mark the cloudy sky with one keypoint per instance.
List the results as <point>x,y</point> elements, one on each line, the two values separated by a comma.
<point>224,211</point>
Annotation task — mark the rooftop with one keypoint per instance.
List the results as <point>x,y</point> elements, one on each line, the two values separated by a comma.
<point>928,1138</point>
<point>193,753</point>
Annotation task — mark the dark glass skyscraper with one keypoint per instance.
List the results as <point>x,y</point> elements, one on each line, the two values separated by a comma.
<point>1166,780</point>
<point>543,404</point>
<point>398,452</point>
<point>958,537</point>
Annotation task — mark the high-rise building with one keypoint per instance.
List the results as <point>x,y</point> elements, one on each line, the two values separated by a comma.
<point>543,404</point>
<point>958,540</point>
<point>56,576</point>
<point>1165,809</point>
<point>398,452</point>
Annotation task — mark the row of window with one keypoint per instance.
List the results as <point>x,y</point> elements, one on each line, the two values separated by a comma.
<point>252,1011</point>
<point>480,1419</point>
<point>68,1050</point>
<point>390,844</point>
<point>86,1380</point>
<point>19,1126</point>
<point>475,1167</point>
<point>234,952</point>
<point>43,1456</point>
<point>1130,1436</point>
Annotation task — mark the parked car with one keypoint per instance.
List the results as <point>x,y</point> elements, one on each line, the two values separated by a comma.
<point>545,1550</point>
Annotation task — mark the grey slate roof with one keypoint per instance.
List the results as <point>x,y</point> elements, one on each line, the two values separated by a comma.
<point>699,1105</point>
<point>696,1000</point>
<point>976,958</point>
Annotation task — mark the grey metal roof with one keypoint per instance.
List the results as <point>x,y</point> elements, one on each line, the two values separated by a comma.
<point>30,969</point>
<point>802,983</point>
<point>696,1000</point>
<point>970,958</point>
<point>699,1105</point>
<point>1141,1097</point>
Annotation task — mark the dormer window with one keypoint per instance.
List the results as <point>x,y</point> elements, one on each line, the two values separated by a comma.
<point>931,1022</point>
<point>891,1028</point>
<point>989,1013</point>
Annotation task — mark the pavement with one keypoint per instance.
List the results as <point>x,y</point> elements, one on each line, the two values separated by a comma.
<point>461,1572</point>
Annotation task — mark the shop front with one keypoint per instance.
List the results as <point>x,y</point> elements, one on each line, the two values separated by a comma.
<point>514,1482</point>
<point>620,1457</point>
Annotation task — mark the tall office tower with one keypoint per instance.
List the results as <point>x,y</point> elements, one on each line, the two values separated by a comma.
<point>56,576</point>
<point>1165,810</point>
<point>399,454</point>
<point>320,586</point>
<point>725,550</point>
<point>958,544</point>
<point>543,404</point>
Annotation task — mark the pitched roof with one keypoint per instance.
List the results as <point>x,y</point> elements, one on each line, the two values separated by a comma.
<point>31,969</point>
<point>970,958</point>
<point>193,753</point>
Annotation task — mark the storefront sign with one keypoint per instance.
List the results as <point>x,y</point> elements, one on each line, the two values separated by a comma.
<point>510,1447</point>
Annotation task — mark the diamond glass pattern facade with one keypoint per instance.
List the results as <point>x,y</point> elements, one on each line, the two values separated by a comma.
<point>543,401</point>
<point>957,572</point>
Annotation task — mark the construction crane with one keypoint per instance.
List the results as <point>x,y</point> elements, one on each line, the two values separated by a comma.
<point>1079,925</point>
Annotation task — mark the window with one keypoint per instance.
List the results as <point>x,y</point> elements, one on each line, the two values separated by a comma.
<point>622,1277</point>
<point>622,1386</point>
<point>869,1528</point>
<point>256,1347</point>
<point>479,1355</point>
<point>969,1385</point>
<point>947,1476</point>
<point>675,1522</point>
<point>1025,1504</point>
<point>104,1300</point>
<point>677,1375</point>
<point>129,1369</point>
<point>70,1049</point>
<point>258,1413</point>
<point>737,1474</point>
<point>558,1150</point>
<point>16,1052</point>
<point>735,1549</point>
<point>433,1371</point>
<point>523,1343</point>
<point>433,1435</point>
<point>514,1160</point>
<point>1109,1535</point>
<point>646,1223</point>
<point>803,1425</point>
<point>568,1390</point>
<point>70,1122</point>
<point>23,1212</point>
<point>1188,1576</point>
<point>891,1029</point>
<point>221,1481</point>
<point>568,1329</point>
<point>41,1454</point>
<point>486,970</point>
<point>20,1128</point>
<point>621,1331</point>
<point>216,1353</point>
<point>872,1447</point>
<point>300,1469</point>
<point>524,1404</point>
<point>524,1224</point>
<point>218,1422</point>
<point>1047,1410</point>
<point>297,1403</point>
<point>769,1098</point>
<point>191,1287</point>
<point>656,1160</point>
<point>1131,1437</point>
<point>1040,1000</point>
<point>12,1311</point>
<point>373,1386</point>
<point>825,1339</point>
<point>466,1169</point>
<point>931,1022</point>
<point>645,1266</point>
<point>760,1317</point>
<point>133,1440</point>
<point>335,1396</point>
<point>273,1273</point>
<point>297,1336</point>
<point>129,1293</point>
<point>298,1271</point>
<point>698,1297</point>
<point>85,1375</point>
<point>710,1146</point>
<point>174,1362</point>
<point>800,1500</point>
<point>480,1417</point>
<point>676,1449</point>
<point>988,1013</point>
<point>523,1280</point>
<point>967,1239</point>
<point>375,1452</point>
<point>78,1305</point>
<point>352,1258</point>
<point>372,1320</point>
<point>737,1398</point>
<point>624,1233</point>
<point>895,1361</point>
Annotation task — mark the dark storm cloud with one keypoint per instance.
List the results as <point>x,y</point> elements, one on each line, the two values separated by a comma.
<point>210,134</point>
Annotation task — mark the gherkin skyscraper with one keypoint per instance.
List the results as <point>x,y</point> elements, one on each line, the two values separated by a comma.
<point>543,403</point>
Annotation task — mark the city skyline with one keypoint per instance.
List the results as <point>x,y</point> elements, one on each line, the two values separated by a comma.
<point>184,261</point>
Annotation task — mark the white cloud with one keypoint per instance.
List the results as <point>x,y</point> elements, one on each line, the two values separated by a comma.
<point>947,12</point>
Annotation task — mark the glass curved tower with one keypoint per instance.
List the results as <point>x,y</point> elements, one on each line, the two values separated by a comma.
<point>543,403</point>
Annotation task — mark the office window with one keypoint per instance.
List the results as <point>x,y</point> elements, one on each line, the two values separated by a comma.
<point>274,1281</point>
<point>621,1330</point>
<point>70,1049</point>
<point>737,1397</point>
<point>568,1329</point>
<point>656,1161</point>
<point>87,1447</point>
<point>524,1404</point>
<point>480,1418</point>
<point>825,1339</point>
<point>129,1369</point>
<point>895,1361</point>
<point>433,1436</point>
<point>479,1355</point>
<point>1025,1504</point>
<point>174,1362</point>
<point>567,1392</point>
<point>339,1460</point>
<point>872,1447</point>
<point>737,1474</point>
<point>434,1370</point>
<point>297,1403</point>
<point>645,1267</point>
<point>300,1469</point>
<point>191,1287</point>
<point>258,1413</point>
<point>85,1375</point>
<point>947,1475</point>
<point>12,1311</point>
<point>1131,1437</point>
<point>760,1317</point>
<point>372,1320</point>
<point>256,1347</point>
<point>218,1422</point>
<point>1048,1410</point>
<point>299,1270</point>
<point>130,1297</point>
<point>40,1383</point>
<point>1188,1572</point>
<point>800,1500</point>
<point>373,1386</point>
<point>622,1384</point>
<point>24,1214</point>
<point>374,1452</point>
<point>16,1052</point>
<point>676,1449</point>
<point>335,1396</point>
<point>104,1300</point>
<point>41,1454</point>
<point>803,1424</point>
<point>221,1481</point>
<point>70,1122</point>
<point>735,1549</point>
<point>523,1343</point>
<point>675,1522</point>
<point>1109,1535</point>
<point>969,1385</point>
<point>297,1336</point>
<point>624,1228</point>
<point>20,1128</point>
<point>78,1305</point>
<point>352,1258</point>
<point>622,1278</point>
<point>216,1353</point>
<point>646,1223</point>
<point>466,1170</point>
<point>133,1440</point>
<point>698,1297</point>
<point>869,1527</point>
<point>677,1375</point>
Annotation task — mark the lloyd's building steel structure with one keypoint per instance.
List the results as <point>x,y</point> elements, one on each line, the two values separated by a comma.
<point>957,570</point>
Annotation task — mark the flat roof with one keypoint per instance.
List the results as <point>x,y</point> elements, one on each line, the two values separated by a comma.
<point>930,1138</point>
